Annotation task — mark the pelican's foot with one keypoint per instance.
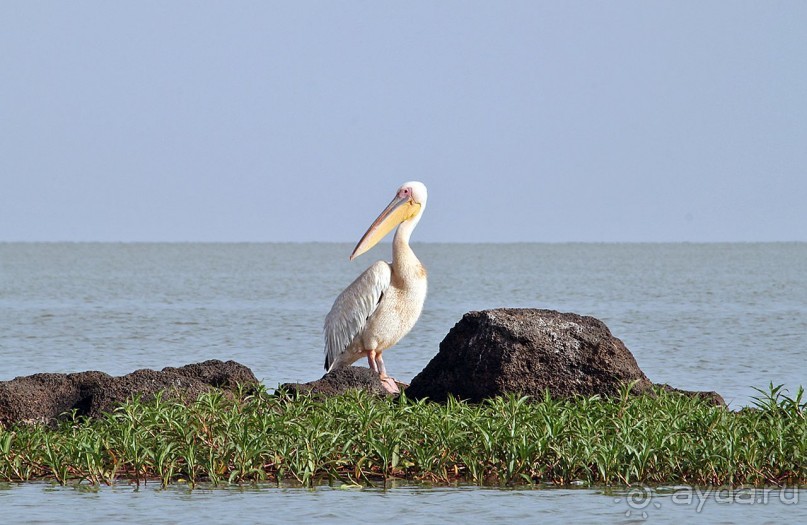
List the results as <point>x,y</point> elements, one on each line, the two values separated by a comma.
<point>390,385</point>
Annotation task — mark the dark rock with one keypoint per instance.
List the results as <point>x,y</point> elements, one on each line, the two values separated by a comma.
<point>46,398</point>
<point>340,381</point>
<point>528,351</point>
<point>225,375</point>
<point>711,396</point>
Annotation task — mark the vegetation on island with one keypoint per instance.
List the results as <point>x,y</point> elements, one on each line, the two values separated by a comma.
<point>357,438</point>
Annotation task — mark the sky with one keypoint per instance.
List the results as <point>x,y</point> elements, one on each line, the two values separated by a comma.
<point>534,121</point>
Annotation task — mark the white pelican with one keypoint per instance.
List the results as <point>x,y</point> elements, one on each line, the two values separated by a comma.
<point>384,302</point>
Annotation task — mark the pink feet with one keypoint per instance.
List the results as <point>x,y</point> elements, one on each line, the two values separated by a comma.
<point>390,385</point>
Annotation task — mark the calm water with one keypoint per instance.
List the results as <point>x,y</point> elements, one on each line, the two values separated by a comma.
<point>724,317</point>
<point>404,505</point>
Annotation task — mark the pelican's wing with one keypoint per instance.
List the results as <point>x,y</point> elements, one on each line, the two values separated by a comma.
<point>351,309</point>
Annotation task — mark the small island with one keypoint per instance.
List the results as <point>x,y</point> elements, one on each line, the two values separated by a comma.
<point>513,397</point>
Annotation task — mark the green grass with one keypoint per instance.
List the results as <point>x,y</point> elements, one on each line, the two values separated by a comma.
<point>357,438</point>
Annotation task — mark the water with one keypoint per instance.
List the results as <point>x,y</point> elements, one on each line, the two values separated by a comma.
<point>35,503</point>
<point>724,317</point>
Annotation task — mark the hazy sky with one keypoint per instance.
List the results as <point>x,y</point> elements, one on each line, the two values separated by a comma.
<point>286,121</point>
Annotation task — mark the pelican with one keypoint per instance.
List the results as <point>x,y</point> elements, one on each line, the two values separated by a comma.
<point>383,304</point>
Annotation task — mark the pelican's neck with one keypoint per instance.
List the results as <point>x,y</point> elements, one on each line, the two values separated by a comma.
<point>404,261</point>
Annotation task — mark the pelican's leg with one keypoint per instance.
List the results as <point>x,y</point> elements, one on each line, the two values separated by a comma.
<point>382,370</point>
<point>371,359</point>
<point>387,381</point>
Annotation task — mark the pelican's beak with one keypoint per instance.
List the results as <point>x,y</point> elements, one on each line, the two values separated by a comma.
<point>399,210</point>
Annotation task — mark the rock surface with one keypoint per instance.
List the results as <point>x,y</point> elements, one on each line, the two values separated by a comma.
<point>711,396</point>
<point>45,398</point>
<point>527,351</point>
<point>340,381</point>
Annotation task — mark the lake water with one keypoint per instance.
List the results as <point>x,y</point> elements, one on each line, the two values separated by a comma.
<point>724,317</point>
<point>404,505</point>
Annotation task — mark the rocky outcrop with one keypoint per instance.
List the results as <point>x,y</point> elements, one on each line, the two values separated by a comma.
<point>528,351</point>
<point>45,398</point>
<point>340,381</point>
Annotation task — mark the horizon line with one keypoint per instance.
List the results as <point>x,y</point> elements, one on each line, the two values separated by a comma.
<point>388,241</point>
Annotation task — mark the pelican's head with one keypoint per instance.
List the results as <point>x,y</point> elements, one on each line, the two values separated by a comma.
<point>408,205</point>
